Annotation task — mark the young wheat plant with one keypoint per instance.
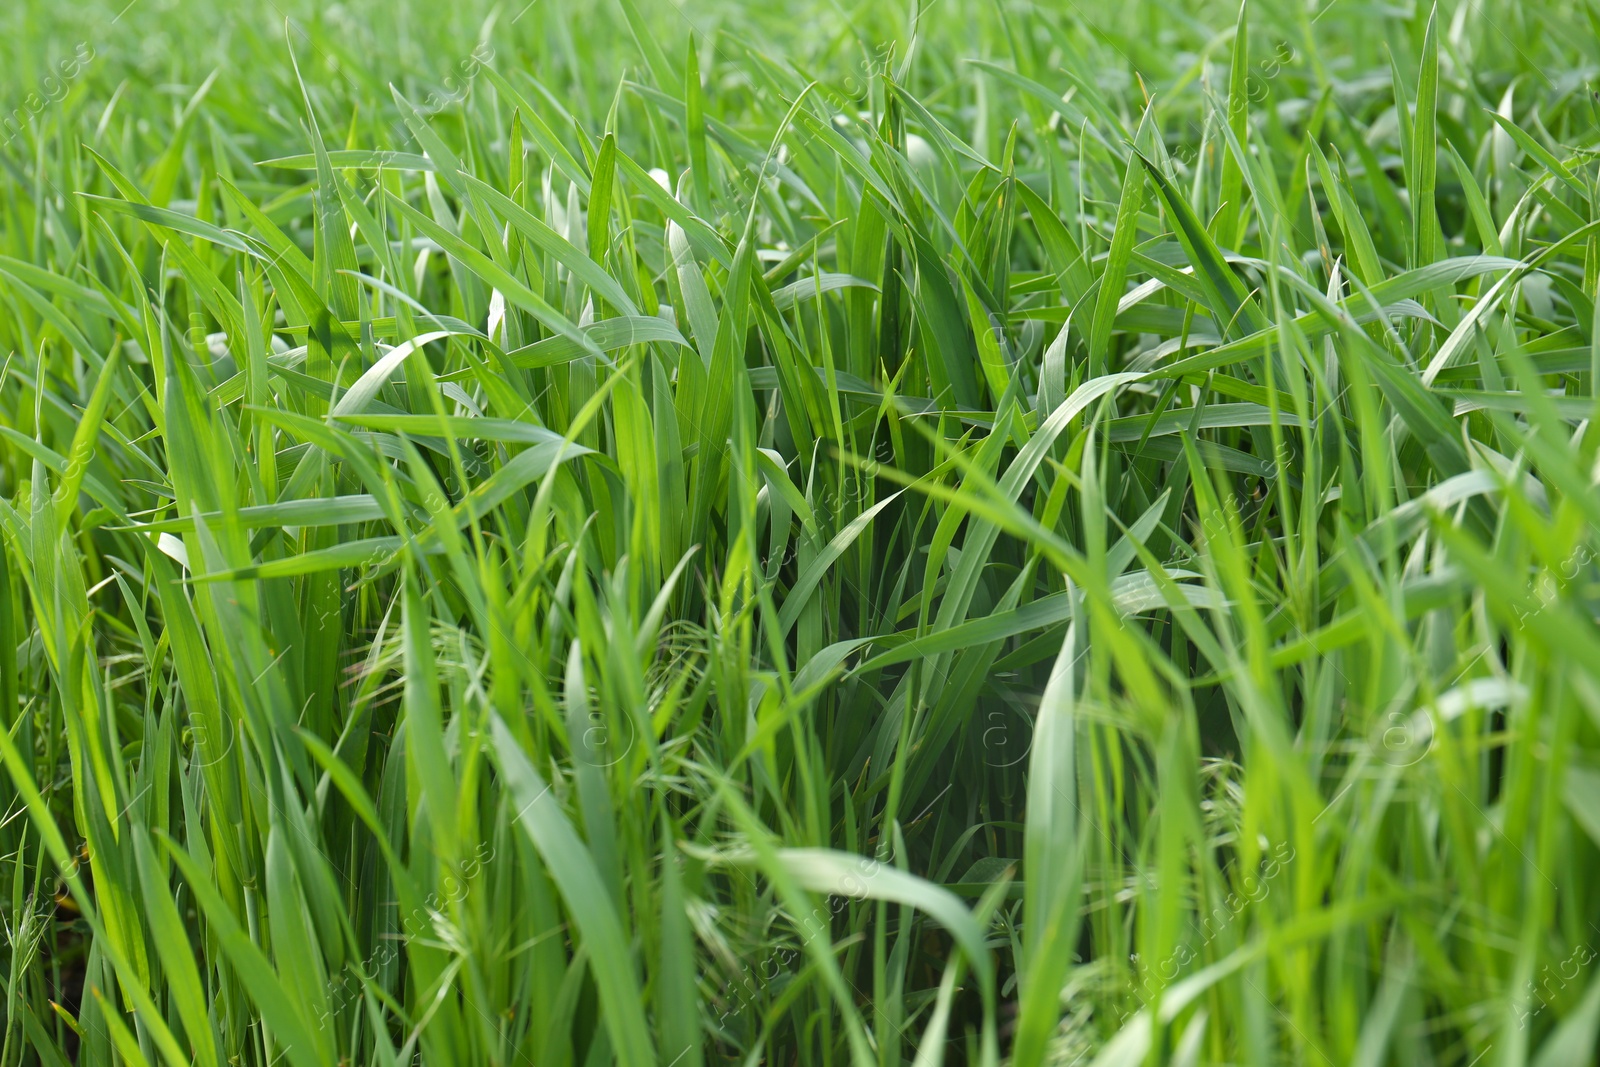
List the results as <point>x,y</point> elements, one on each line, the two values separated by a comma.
<point>820,535</point>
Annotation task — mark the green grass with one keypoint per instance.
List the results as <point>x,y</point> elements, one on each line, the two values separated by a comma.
<point>826,536</point>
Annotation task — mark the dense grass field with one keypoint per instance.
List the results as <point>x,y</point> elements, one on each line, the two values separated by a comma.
<point>819,534</point>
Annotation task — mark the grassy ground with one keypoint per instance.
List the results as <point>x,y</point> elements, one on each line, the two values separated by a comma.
<point>604,533</point>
